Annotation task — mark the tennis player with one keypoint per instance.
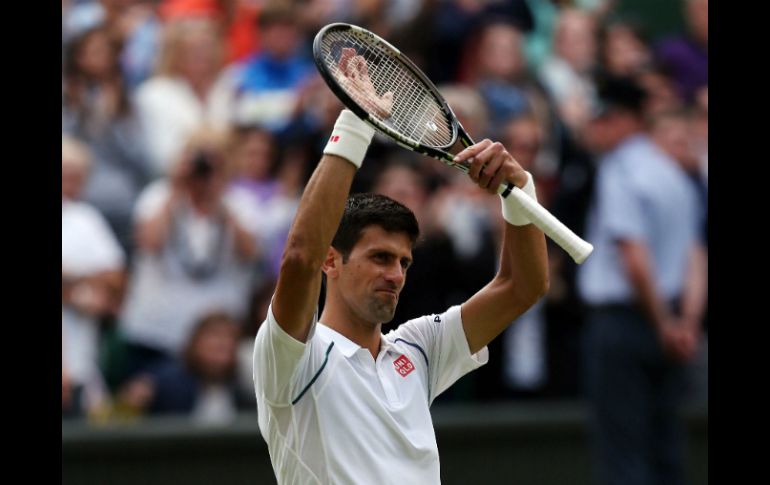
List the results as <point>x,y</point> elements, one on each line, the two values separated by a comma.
<point>340,402</point>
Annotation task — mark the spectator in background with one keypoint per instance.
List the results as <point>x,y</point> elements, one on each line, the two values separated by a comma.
<point>264,88</point>
<point>553,372</point>
<point>141,29</point>
<point>196,251</point>
<point>523,137</point>
<point>625,52</point>
<point>201,384</point>
<point>261,180</point>
<point>254,156</point>
<point>96,109</point>
<point>624,47</point>
<point>568,72</point>
<point>673,132</point>
<point>241,37</point>
<point>525,352</point>
<point>92,280</point>
<point>79,16</point>
<point>496,66</point>
<point>450,25</point>
<point>686,56</point>
<point>645,287</point>
<point>662,95</point>
<point>181,97</point>
<point>132,24</point>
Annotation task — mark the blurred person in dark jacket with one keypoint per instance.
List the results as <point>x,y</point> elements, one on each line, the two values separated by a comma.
<point>200,384</point>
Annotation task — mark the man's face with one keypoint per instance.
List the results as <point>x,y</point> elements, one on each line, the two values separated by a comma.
<point>372,278</point>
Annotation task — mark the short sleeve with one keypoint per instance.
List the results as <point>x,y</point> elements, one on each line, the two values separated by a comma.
<point>278,357</point>
<point>443,338</point>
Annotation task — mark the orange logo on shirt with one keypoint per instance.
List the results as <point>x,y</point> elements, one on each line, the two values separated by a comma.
<point>403,365</point>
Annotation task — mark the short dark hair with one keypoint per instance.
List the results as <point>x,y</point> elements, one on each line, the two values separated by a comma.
<point>364,210</point>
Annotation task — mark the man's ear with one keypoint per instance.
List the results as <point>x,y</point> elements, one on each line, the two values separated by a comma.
<point>332,263</point>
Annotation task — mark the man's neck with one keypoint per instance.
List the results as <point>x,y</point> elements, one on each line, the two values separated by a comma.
<point>356,330</point>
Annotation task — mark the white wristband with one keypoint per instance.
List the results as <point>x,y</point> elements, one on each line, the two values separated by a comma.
<point>350,138</point>
<point>512,210</point>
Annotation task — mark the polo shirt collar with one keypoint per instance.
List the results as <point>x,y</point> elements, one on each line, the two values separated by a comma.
<point>345,345</point>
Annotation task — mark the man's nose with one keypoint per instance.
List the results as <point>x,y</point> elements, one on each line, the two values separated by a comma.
<point>395,274</point>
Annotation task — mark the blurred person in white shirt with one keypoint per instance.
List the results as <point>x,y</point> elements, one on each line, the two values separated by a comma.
<point>196,250</point>
<point>181,97</point>
<point>92,280</point>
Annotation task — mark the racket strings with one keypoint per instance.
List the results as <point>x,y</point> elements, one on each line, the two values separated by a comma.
<point>415,112</point>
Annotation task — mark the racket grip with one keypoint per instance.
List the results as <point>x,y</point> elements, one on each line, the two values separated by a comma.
<point>576,247</point>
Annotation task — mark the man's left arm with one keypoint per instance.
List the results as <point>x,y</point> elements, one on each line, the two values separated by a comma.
<point>523,275</point>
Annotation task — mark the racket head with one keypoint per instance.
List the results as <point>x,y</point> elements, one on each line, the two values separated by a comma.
<point>419,117</point>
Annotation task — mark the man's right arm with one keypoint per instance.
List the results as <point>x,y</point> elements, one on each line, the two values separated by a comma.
<point>318,216</point>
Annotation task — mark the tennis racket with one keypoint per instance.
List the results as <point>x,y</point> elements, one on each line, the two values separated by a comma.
<point>395,97</point>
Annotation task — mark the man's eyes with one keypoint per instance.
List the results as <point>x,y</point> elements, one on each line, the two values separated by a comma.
<point>387,258</point>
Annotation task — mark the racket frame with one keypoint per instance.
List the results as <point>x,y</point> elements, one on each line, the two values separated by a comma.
<point>577,248</point>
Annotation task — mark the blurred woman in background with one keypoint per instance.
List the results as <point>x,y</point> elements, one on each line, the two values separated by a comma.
<point>97,110</point>
<point>200,385</point>
<point>180,98</point>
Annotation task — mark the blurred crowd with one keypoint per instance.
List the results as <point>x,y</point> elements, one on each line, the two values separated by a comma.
<point>190,127</point>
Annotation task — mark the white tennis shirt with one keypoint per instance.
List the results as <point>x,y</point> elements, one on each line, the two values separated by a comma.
<point>331,414</point>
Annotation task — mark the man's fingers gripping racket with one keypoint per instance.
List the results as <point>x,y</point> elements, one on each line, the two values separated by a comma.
<point>576,247</point>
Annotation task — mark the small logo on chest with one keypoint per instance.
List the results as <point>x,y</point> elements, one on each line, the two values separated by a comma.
<point>403,365</point>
